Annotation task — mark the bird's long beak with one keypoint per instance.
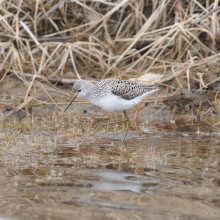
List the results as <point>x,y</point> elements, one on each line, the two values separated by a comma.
<point>74,97</point>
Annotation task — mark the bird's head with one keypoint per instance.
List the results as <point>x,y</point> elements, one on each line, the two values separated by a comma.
<point>80,89</point>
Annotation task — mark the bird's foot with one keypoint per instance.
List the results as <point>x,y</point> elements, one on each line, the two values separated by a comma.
<point>104,124</point>
<point>97,129</point>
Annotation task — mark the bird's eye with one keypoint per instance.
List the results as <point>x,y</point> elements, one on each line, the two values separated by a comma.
<point>79,90</point>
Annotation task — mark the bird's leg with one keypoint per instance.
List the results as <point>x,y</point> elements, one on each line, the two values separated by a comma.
<point>127,119</point>
<point>128,124</point>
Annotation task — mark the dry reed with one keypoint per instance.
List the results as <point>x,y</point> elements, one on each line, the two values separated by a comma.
<point>62,41</point>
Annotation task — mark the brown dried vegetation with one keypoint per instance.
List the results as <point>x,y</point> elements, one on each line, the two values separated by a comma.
<point>61,41</point>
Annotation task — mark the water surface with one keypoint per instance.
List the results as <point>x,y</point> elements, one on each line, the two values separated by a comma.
<point>50,169</point>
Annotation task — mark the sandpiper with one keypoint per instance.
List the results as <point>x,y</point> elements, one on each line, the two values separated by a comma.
<point>113,95</point>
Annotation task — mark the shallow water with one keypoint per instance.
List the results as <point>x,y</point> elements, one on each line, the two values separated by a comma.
<point>51,170</point>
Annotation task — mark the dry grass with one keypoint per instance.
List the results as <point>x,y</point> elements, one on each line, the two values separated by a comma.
<point>60,41</point>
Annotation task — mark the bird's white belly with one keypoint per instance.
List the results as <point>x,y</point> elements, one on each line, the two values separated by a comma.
<point>113,103</point>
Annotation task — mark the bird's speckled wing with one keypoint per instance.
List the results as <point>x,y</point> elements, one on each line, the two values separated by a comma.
<point>126,89</point>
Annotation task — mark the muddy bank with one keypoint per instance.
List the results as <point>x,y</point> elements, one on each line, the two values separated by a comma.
<point>53,168</point>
